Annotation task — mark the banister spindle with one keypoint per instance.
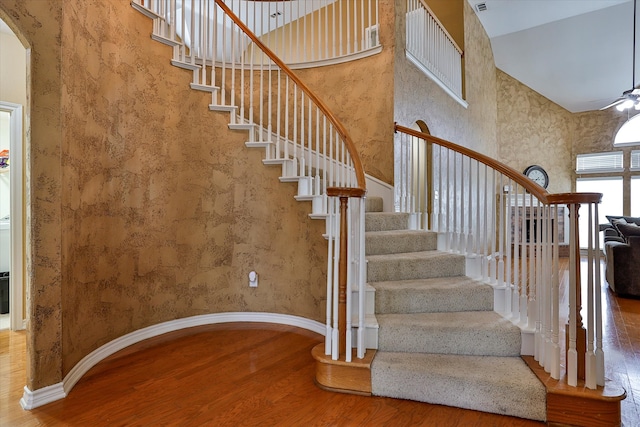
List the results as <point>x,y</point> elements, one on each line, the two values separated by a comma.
<point>343,194</point>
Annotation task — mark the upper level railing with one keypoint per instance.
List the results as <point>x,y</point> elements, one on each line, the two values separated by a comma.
<point>296,129</point>
<point>432,49</point>
<point>515,230</point>
<point>300,33</point>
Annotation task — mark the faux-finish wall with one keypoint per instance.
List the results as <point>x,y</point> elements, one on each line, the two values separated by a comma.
<point>418,98</point>
<point>144,207</point>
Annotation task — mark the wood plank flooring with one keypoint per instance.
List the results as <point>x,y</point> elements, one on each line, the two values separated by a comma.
<point>247,374</point>
<point>221,375</point>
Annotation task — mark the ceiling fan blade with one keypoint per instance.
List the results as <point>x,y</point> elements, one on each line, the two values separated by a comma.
<point>614,103</point>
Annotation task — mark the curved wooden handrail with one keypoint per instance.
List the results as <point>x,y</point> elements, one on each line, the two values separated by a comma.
<point>353,152</point>
<point>540,193</point>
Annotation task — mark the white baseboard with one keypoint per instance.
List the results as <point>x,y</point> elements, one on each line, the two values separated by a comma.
<point>42,396</point>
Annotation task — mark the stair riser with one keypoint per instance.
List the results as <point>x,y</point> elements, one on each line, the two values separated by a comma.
<point>471,341</point>
<point>400,243</point>
<point>434,300</point>
<point>386,221</point>
<point>382,270</point>
<point>373,204</point>
<point>369,301</point>
<point>370,337</point>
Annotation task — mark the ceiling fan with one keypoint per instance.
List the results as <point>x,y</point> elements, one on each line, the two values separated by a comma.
<point>630,98</point>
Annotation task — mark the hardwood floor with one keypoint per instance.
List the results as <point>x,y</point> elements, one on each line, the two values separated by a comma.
<point>220,375</point>
<point>247,374</point>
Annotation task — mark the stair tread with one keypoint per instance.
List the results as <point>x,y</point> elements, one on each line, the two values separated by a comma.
<point>415,256</point>
<point>438,294</point>
<point>414,265</point>
<point>400,241</point>
<point>471,333</point>
<point>431,283</point>
<point>450,320</point>
<point>392,233</point>
<point>502,385</point>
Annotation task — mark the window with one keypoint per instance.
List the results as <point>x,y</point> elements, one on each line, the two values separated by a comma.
<point>635,160</point>
<point>635,196</point>
<point>629,133</point>
<point>611,189</point>
<point>599,162</point>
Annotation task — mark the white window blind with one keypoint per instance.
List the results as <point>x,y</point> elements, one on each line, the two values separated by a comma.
<point>599,162</point>
<point>635,160</point>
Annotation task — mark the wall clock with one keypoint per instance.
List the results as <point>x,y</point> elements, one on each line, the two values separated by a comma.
<point>538,175</point>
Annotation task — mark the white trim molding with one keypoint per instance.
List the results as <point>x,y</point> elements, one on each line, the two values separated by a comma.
<point>42,396</point>
<point>415,61</point>
<point>39,397</point>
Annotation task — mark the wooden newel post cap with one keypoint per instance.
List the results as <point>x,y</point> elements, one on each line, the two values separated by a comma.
<point>345,192</point>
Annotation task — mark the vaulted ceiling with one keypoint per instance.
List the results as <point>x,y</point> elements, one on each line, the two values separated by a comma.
<point>577,53</point>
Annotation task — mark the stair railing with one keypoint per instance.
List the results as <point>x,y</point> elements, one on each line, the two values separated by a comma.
<point>512,231</point>
<point>301,33</point>
<point>432,49</point>
<point>296,129</point>
<point>312,33</point>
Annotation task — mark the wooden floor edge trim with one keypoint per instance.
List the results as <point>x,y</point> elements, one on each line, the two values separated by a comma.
<point>341,376</point>
<point>611,392</point>
<point>579,406</point>
<point>341,390</point>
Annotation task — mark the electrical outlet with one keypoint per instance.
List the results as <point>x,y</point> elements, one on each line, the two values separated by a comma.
<point>253,279</point>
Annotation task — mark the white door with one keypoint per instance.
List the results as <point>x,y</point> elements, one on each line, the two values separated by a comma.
<point>11,206</point>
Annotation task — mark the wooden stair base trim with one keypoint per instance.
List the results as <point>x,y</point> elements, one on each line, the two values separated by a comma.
<point>579,406</point>
<point>343,377</point>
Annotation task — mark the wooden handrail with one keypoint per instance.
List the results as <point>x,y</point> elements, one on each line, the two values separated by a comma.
<point>540,193</point>
<point>355,157</point>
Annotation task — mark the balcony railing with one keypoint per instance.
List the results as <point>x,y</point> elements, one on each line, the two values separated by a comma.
<point>432,49</point>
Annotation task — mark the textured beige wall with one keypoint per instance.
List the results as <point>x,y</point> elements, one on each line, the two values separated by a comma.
<point>534,130</point>
<point>37,24</point>
<point>144,207</point>
<point>419,98</point>
<point>595,131</point>
<point>359,93</point>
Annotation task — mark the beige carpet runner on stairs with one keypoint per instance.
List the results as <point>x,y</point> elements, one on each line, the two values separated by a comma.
<point>439,339</point>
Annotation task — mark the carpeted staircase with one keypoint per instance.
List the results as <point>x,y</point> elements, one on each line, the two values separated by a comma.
<point>439,339</point>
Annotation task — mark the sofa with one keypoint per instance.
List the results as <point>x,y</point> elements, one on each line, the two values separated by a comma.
<point>622,252</point>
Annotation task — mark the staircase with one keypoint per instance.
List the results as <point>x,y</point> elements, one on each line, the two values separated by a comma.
<point>437,336</point>
<point>439,339</point>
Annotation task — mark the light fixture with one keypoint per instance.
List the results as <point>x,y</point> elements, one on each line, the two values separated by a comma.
<point>626,105</point>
